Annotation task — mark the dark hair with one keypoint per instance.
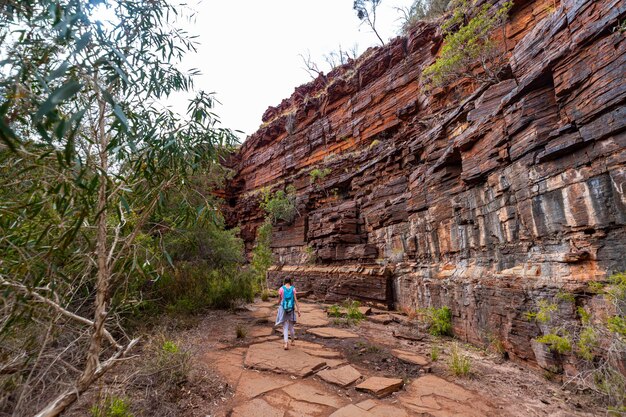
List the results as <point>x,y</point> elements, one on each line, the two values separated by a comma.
<point>287,281</point>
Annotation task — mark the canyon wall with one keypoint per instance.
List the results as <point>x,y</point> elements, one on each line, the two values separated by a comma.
<point>484,199</point>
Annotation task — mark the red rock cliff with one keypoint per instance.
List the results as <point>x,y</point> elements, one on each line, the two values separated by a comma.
<point>482,199</point>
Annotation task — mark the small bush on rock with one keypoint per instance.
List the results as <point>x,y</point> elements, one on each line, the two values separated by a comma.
<point>467,43</point>
<point>460,364</point>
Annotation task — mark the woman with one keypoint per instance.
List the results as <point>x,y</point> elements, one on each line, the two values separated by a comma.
<point>287,311</point>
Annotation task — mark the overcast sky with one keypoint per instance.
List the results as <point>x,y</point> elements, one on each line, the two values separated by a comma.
<point>248,52</point>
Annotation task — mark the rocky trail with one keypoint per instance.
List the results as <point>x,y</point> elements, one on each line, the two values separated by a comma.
<point>362,371</point>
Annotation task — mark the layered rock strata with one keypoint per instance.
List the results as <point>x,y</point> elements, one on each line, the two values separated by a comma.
<point>484,198</point>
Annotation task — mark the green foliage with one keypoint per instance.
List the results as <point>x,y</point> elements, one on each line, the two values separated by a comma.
<point>566,296</point>
<point>585,316</point>
<point>262,257</point>
<point>556,343</point>
<point>617,325</point>
<point>205,269</point>
<point>468,42</point>
<point>310,254</point>
<point>334,311</point>
<point>196,287</point>
<point>170,347</point>
<point>460,364</point>
<point>352,311</point>
<point>280,205</point>
<point>599,341</point>
<point>439,320</point>
<point>164,363</point>
<point>595,287</point>
<point>587,342</point>
<point>544,314</point>
<point>319,174</point>
<point>434,353</point>
<point>112,407</point>
<point>94,160</point>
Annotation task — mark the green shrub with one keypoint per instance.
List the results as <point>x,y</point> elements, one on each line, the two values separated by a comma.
<point>310,255</point>
<point>112,407</point>
<point>352,311</point>
<point>460,364</point>
<point>319,174</point>
<point>195,286</point>
<point>280,205</point>
<point>587,342</point>
<point>467,42</point>
<point>434,353</point>
<point>556,343</point>
<point>439,321</point>
<point>334,311</point>
<point>262,256</point>
<point>544,314</point>
<point>165,364</point>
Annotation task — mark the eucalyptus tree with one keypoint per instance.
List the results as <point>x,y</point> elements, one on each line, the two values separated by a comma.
<point>366,12</point>
<point>88,154</point>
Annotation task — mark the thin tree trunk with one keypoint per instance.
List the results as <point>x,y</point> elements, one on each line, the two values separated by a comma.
<point>93,369</point>
<point>102,282</point>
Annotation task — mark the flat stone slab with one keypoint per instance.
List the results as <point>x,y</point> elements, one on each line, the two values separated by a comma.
<point>380,386</point>
<point>316,349</point>
<point>258,408</point>
<point>438,397</point>
<point>252,384</point>
<point>260,331</point>
<point>381,318</point>
<point>307,392</point>
<point>351,411</point>
<point>410,357</point>
<point>271,356</point>
<point>343,376</point>
<point>332,333</point>
<point>370,409</point>
<point>313,318</point>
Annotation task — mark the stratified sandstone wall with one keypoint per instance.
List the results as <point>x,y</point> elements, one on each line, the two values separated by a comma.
<point>485,199</point>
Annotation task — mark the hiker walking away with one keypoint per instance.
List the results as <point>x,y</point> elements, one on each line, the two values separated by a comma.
<point>287,311</point>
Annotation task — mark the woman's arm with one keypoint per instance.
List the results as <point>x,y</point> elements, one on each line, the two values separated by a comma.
<point>295,300</point>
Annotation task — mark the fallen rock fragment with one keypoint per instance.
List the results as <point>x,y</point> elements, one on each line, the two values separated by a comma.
<point>380,386</point>
<point>344,376</point>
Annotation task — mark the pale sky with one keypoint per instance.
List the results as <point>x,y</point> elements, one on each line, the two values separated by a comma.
<point>248,52</point>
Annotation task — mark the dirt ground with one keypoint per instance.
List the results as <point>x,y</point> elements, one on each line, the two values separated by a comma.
<point>254,376</point>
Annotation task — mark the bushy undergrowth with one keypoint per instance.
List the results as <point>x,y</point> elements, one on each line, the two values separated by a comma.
<point>205,268</point>
<point>111,407</point>
<point>460,364</point>
<point>596,343</point>
<point>439,320</point>
<point>348,315</point>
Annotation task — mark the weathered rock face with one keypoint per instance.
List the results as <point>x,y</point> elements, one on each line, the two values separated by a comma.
<point>484,199</point>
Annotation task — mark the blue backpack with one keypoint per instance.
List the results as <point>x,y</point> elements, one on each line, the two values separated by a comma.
<point>288,299</point>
